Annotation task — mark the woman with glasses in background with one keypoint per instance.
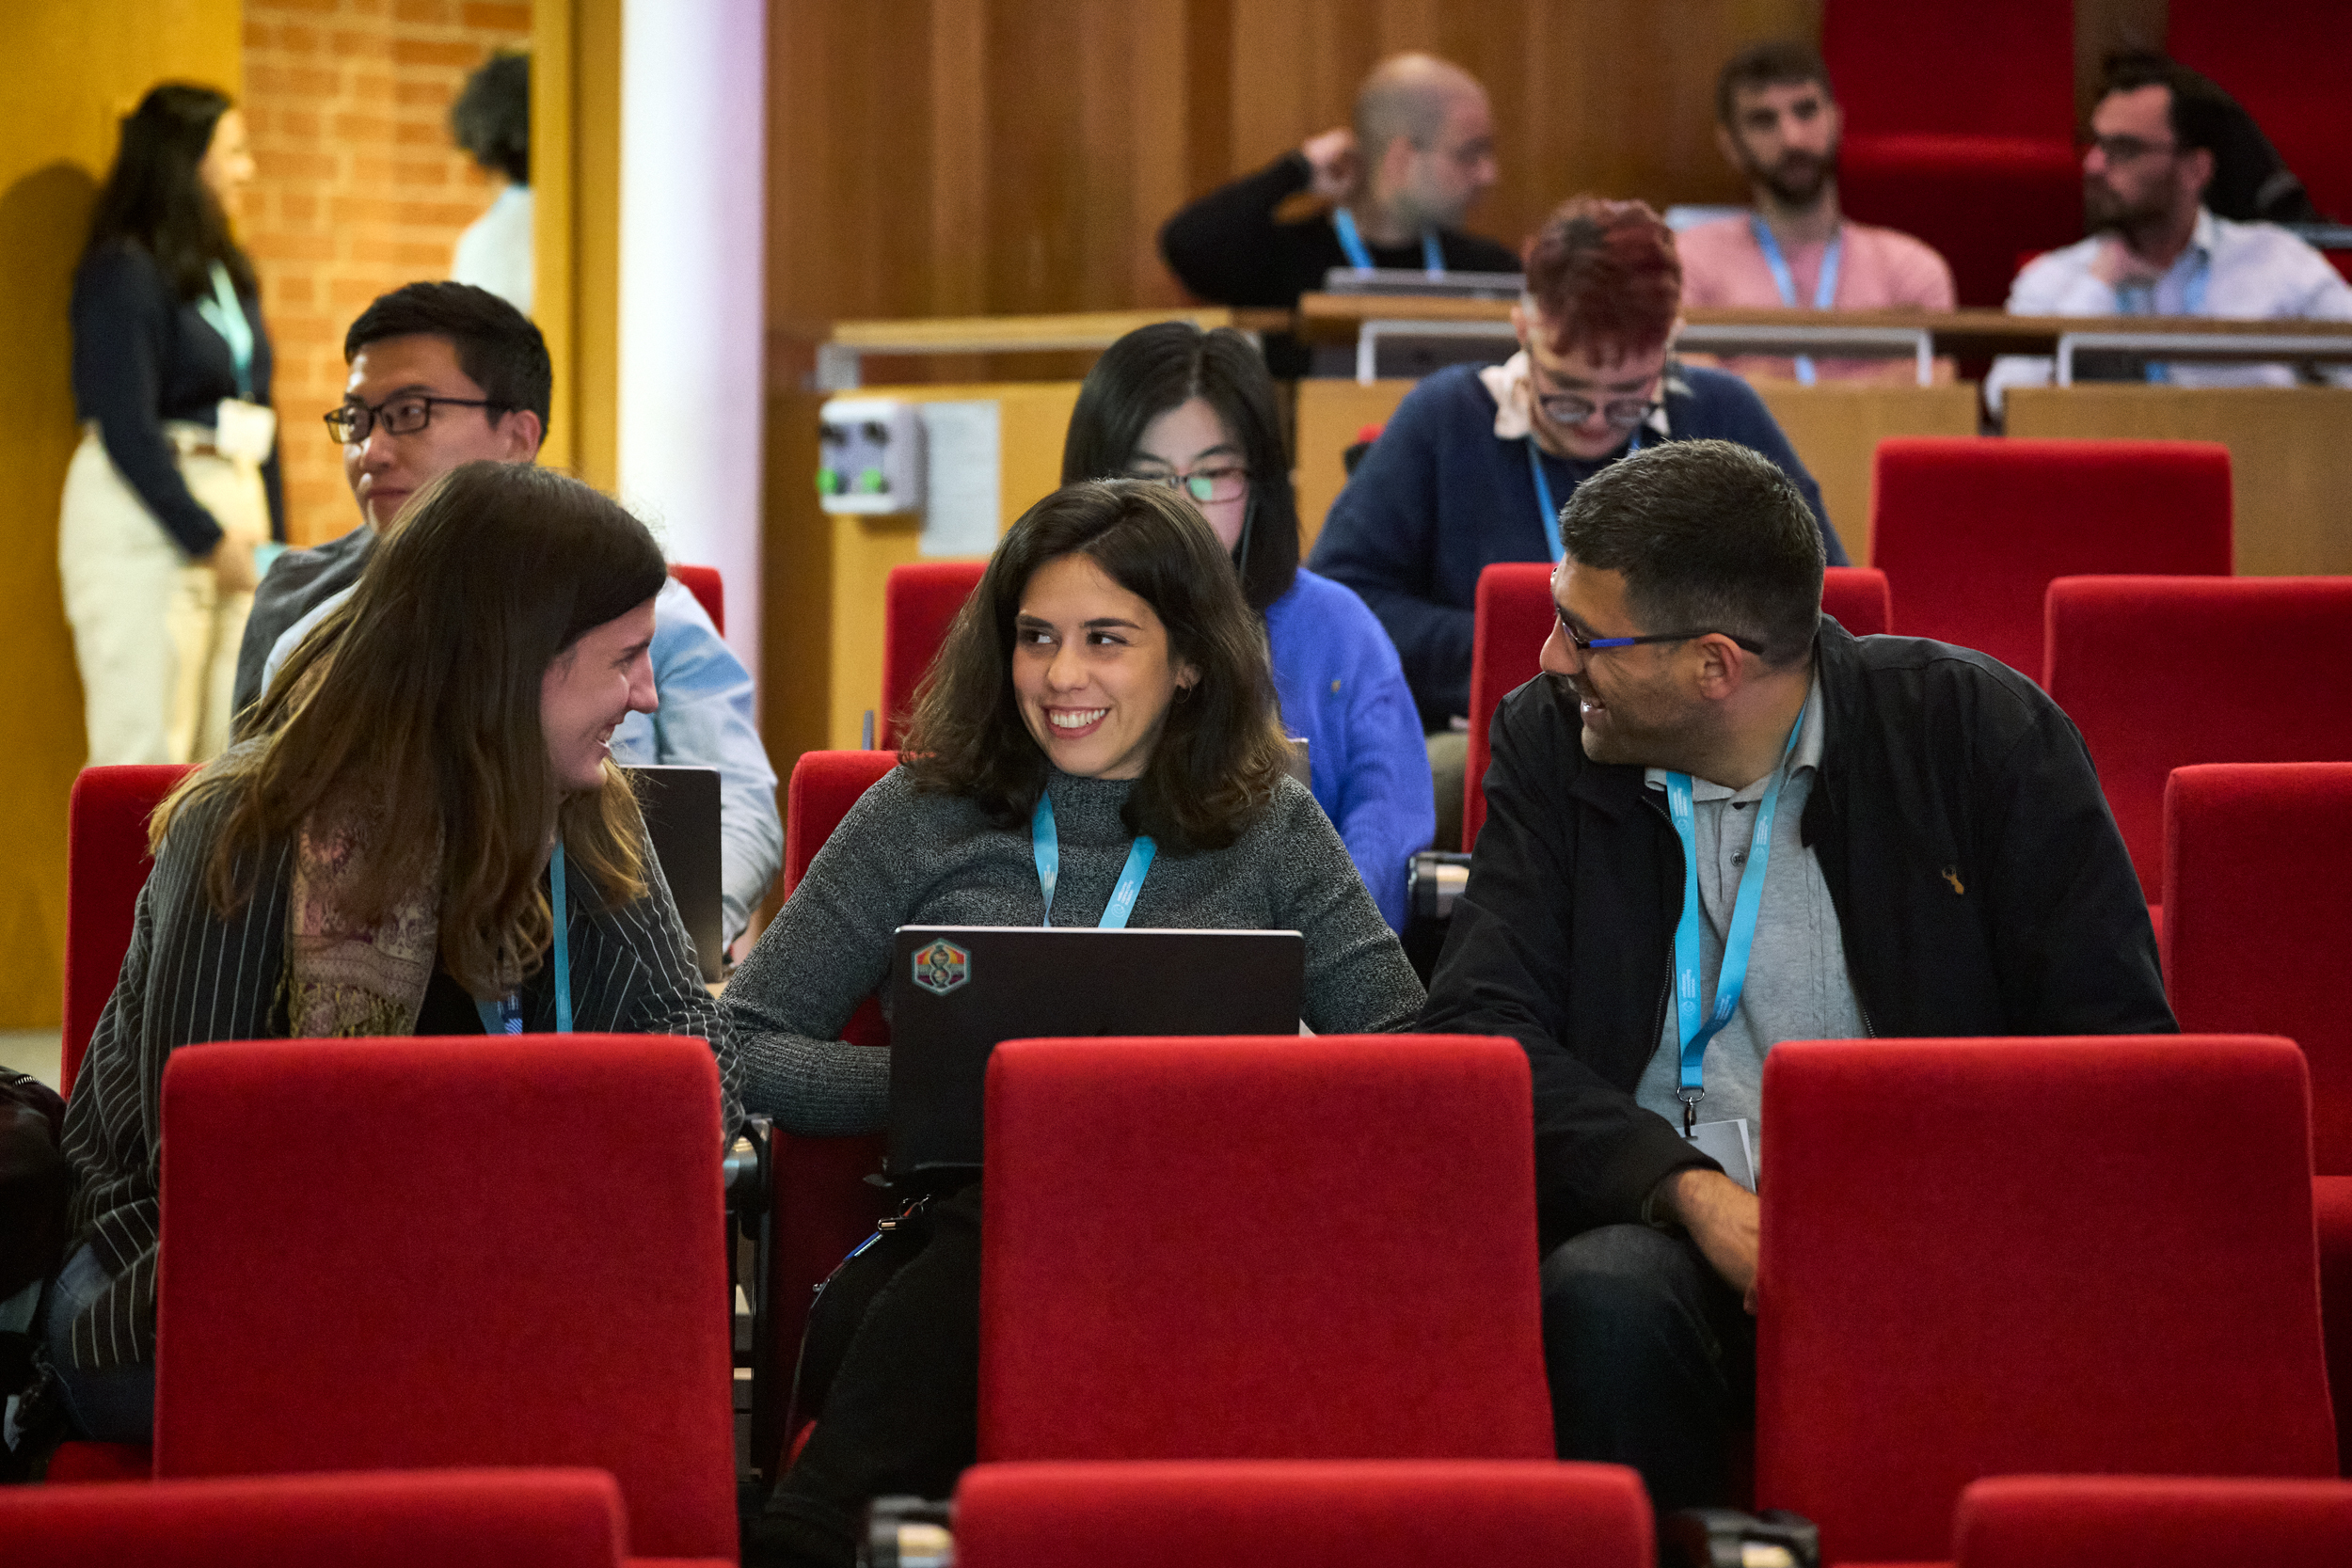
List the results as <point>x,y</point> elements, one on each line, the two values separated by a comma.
<point>1195,410</point>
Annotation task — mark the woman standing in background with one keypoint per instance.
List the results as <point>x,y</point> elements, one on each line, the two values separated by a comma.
<point>176,479</point>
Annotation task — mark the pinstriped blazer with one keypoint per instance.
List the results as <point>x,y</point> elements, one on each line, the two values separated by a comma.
<point>191,976</point>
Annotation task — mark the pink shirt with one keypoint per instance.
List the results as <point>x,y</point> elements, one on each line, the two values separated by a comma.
<point>1881,269</point>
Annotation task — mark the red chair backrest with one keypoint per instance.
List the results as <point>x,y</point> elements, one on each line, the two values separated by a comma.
<point>1970,531</point>
<point>1514,616</point>
<point>490,1518</point>
<point>1858,599</point>
<point>106,864</point>
<point>918,605</point>
<point>2256,924</point>
<point>449,1252</point>
<point>1202,1316</point>
<point>2161,673</point>
<point>708,591</point>
<point>824,785</point>
<point>2268,68</point>
<point>2151,1522</point>
<point>1990,68</point>
<point>2020,1255</point>
<point>1371,1513</point>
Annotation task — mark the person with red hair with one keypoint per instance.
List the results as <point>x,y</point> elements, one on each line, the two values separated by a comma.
<point>1477,463</point>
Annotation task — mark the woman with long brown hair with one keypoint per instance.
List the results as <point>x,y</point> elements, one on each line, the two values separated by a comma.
<point>422,834</point>
<point>1104,691</point>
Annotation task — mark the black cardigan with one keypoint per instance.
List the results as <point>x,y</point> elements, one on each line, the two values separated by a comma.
<point>1980,884</point>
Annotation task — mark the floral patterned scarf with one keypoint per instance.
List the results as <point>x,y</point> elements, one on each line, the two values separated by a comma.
<point>342,981</point>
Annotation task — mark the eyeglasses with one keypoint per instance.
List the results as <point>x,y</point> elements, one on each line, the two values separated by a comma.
<point>1230,484</point>
<point>2123,149</point>
<point>1617,413</point>
<point>1584,645</point>
<point>399,416</point>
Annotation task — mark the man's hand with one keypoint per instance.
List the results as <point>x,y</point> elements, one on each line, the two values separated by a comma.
<point>1720,1216</point>
<point>2114,264</point>
<point>232,567</point>
<point>1333,157</point>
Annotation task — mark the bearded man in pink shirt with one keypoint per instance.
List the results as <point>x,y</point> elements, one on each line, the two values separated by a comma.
<point>1778,123</point>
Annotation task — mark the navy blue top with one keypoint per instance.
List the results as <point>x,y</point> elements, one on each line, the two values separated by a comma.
<point>141,355</point>
<point>1439,498</point>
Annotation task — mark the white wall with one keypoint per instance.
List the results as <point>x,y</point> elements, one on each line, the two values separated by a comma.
<point>693,155</point>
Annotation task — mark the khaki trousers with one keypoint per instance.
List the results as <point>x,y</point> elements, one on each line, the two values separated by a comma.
<point>155,638</point>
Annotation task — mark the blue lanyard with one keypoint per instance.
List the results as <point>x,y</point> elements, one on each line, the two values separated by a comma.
<point>1824,292</point>
<point>1046,847</point>
<point>1733,978</point>
<point>226,316</point>
<point>505,1015</point>
<point>2192,303</point>
<point>1543,493</point>
<point>1432,257</point>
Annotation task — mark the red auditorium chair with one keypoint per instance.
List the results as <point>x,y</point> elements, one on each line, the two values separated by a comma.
<point>2152,1522</point>
<point>1991,1257</point>
<point>2255,932</point>
<point>502,1518</point>
<point>398,1253</point>
<point>708,591</point>
<point>918,604</point>
<point>1256,1248</point>
<point>106,864</point>
<point>2161,673</point>
<point>2269,70</point>
<point>1859,600</point>
<point>823,1203</point>
<point>1368,1515</point>
<point>1970,531</point>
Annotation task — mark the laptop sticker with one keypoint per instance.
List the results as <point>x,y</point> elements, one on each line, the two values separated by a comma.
<point>942,967</point>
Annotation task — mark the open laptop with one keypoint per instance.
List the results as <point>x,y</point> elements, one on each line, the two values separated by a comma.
<point>681,808</point>
<point>957,991</point>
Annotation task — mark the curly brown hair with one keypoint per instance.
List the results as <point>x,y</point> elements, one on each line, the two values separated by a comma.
<point>1220,755</point>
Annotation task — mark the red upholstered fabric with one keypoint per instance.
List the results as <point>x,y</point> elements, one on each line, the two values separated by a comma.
<point>1367,1515</point>
<point>1978,200</point>
<point>76,1464</point>
<point>2268,68</point>
<point>2331,1206</point>
<point>1971,531</point>
<point>518,1518</point>
<point>918,605</point>
<point>1514,616</point>
<point>1859,600</point>
<point>2162,672</point>
<point>708,591</point>
<point>1261,1248</point>
<point>396,1252</point>
<point>106,864</point>
<point>824,785</point>
<point>2000,1257</point>
<point>1999,68</point>
<point>2148,1522</point>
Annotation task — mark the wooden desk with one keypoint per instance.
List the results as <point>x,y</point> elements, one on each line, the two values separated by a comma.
<point>839,360</point>
<point>2290,456</point>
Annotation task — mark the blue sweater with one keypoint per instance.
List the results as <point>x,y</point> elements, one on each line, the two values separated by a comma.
<point>1439,498</point>
<point>1342,690</point>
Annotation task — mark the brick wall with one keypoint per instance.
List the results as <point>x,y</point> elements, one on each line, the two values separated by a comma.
<point>357,189</point>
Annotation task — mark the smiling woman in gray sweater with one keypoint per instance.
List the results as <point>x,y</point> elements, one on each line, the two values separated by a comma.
<point>1105,688</point>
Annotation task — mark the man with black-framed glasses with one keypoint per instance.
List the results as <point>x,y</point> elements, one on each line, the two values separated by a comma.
<point>1716,822</point>
<point>1476,463</point>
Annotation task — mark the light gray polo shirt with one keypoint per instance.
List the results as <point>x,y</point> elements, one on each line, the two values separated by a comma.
<point>1797,987</point>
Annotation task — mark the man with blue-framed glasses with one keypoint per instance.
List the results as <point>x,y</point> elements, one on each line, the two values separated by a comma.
<point>1717,822</point>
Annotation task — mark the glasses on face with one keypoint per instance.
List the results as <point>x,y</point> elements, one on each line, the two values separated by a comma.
<point>2124,149</point>
<point>398,416</point>
<point>1585,645</point>
<point>1617,413</point>
<point>1225,483</point>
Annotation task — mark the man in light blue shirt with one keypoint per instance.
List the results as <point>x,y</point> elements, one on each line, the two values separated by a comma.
<point>445,373</point>
<point>2156,250</point>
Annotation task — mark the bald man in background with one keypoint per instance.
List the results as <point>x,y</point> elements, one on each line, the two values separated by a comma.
<point>1420,155</point>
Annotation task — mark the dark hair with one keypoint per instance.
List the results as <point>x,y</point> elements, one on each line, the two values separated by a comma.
<point>1708,535</point>
<point>2202,117</point>
<point>1160,366</point>
<point>499,349</point>
<point>155,198</point>
<point>1220,755</point>
<point>1776,62</point>
<point>491,119</point>
<point>411,713</point>
<point>1605,277</point>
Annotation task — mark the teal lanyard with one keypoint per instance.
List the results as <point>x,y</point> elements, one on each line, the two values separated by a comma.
<point>1045,849</point>
<point>1359,257</point>
<point>2139,299</point>
<point>226,315</point>
<point>1824,292</point>
<point>1734,975</point>
<point>505,1015</point>
<point>1543,493</point>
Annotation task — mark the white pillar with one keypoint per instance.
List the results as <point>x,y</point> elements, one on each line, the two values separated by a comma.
<point>693,286</point>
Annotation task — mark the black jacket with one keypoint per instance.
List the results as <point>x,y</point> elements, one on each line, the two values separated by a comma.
<point>292,587</point>
<point>1980,883</point>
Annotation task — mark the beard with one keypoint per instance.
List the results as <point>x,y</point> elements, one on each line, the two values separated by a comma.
<point>1798,179</point>
<point>2105,208</point>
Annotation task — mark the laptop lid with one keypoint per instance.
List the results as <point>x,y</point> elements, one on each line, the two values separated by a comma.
<point>957,991</point>
<point>681,809</point>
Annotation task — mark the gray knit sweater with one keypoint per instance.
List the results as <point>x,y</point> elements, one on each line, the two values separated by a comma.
<point>902,858</point>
